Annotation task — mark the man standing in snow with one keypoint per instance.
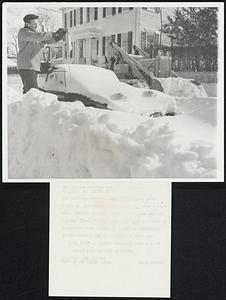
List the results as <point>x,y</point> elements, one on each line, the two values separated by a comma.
<point>30,44</point>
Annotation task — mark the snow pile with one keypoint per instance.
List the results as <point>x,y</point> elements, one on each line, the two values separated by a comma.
<point>13,95</point>
<point>103,86</point>
<point>52,139</point>
<point>177,87</point>
<point>202,108</point>
<point>181,87</point>
<point>11,63</point>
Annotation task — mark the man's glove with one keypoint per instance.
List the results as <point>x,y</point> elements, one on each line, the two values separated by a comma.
<point>59,34</point>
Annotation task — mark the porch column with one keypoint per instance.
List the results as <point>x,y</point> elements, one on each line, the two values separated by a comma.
<point>88,51</point>
<point>77,52</point>
<point>137,29</point>
<point>100,59</point>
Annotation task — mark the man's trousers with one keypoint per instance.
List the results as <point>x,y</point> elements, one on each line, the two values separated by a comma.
<point>29,79</point>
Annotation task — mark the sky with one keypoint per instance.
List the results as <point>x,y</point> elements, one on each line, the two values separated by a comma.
<point>15,20</point>
<point>15,15</point>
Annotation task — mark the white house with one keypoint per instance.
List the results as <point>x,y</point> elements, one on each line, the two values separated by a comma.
<point>91,29</point>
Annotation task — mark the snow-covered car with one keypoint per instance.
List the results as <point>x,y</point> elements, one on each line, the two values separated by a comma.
<point>101,88</point>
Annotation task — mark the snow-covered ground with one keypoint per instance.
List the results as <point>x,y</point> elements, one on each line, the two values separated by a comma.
<point>52,139</point>
<point>11,63</point>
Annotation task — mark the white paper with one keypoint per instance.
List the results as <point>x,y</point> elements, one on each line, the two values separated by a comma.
<point>110,238</point>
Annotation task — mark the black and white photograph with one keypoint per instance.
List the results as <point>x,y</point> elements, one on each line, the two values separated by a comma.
<point>112,150</point>
<point>113,91</point>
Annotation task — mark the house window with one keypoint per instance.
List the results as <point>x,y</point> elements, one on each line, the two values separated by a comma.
<point>88,14</point>
<point>156,39</point>
<point>74,17</point>
<point>124,45</point>
<point>150,38</point>
<point>119,39</point>
<point>119,10</point>
<point>127,42</point>
<point>107,42</point>
<point>96,13</point>
<point>104,12</point>
<point>130,42</point>
<point>81,15</point>
<point>57,52</point>
<point>130,8</point>
<point>113,11</point>
<point>71,19</point>
<point>65,20</point>
<point>109,11</point>
<point>91,14</point>
<point>103,45</point>
<point>143,40</point>
<point>113,38</point>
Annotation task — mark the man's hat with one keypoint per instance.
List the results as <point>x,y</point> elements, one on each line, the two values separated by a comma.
<point>29,17</point>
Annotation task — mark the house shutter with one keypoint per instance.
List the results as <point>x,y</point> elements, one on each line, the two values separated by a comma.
<point>91,14</point>
<point>74,17</point>
<point>65,20</point>
<point>87,14</point>
<point>103,45</point>
<point>130,42</point>
<point>71,24</point>
<point>81,15</point>
<point>95,13</point>
<point>104,12</point>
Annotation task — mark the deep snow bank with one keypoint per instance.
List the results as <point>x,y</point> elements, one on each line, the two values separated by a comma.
<point>176,87</point>
<point>182,87</point>
<point>52,139</point>
<point>11,63</point>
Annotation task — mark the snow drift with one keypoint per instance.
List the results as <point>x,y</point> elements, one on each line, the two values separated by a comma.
<point>181,87</point>
<point>11,63</point>
<point>176,87</point>
<point>52,139</point>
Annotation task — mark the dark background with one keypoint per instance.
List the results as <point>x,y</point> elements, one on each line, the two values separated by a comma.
<point>198,240</point>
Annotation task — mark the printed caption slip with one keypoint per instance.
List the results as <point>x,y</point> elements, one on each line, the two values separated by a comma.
<point>110,238</point>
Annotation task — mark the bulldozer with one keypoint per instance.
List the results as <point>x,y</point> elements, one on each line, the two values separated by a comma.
<point>142,67</point>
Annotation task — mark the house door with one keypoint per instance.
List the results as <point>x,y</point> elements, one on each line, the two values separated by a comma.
<point>82,51</point>
<point>94,51</point>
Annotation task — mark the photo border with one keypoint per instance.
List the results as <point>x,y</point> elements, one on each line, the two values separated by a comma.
<point>220,87</point>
